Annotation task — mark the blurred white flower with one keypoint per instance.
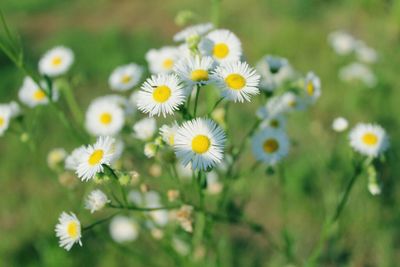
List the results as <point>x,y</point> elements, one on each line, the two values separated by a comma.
<point>55,157</point>
<point>32,94</point>
<point>342,42</point>
<point>96,200</point>
<point>5,115</point>
<point>145,129</point>
<point>340,124</point>
<point>168,133</point>
<point>358,72</point>
<point>125,77</point>
<point>150,149</point>
<point>72,160</point>
<point>56,61</point>
<point>123,229</point>
<point>365,53</point>
<point>274,71</point>
<point>199,29</point>
<point>163,60</point>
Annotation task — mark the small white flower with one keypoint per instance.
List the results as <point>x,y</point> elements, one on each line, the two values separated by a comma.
<point>342,42</point>
<point>123,229</point>
<point>125,77</point>
<point>277,122</point>
<point>200,142</point>
<point>145,129</point>
<point>32,95</point>
<point>56,61</point>
<point>68,230</point>
<point>312,87</point>
<point>199,29</point>
<point>13,108</point>
<point>91,160</point>
<point>162,60</point>
<point>274,72</point>
<point>358,72</point>
<point>55,157</point>
<point>5,115</point>
<point>104,118</point>
<point>168,133</point>
<point>340,124</point>
<point>194,70</point>
<point>369,139</point>
<point>237,80</point>
<point>270,145</point>
<point>222,45</point>
<point>161,94</point>
<point>96,200</point>
<point>365,53</point>
<point>73,159</point>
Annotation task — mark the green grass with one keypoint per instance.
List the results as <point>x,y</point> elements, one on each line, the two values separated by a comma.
<point>104,34</point>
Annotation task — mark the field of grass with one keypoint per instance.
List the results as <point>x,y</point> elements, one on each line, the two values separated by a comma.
<point>105,33</point>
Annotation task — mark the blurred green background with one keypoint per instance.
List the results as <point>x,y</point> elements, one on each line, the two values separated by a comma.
<point>105,33</point>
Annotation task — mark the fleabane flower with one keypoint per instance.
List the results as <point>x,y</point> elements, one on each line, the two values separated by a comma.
<point>145,129</point>
<point>56,61</point>
<point>274,71</point>
<point>125,77</point>
<point>104,118</point>
<point>162,60</point>
<point>342,42</point>
<point>194,70</point>
<point>96,200</point>
<point>200,142</point>
<point>270,145</point>
<point>369,139</point>
<point>32,94</point>
<point>237,80</point>
<point>168,133</point>
<point>340,124</point>
<point>198,29</point>
<point>68,230</point>
<point>223,45</point>
<point>312,87</point>
<point>94,156</point>
<point>161,94</point>
<point>123,229</point>
<point>5,115</point>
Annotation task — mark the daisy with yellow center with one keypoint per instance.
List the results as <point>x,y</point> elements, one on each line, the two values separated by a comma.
<point>222,45</point>
<point>32,94</point>
<point>56,61</point>
<point>194,70</point>
<point>237,80</point>
<point>94,156</point>
<point>68,230</point>
<point>161,94</point>
<point>168,133</point>
<point>162,60</point>
<point>5,115</point>
<point>369,139</point>
<point>270,145</point>
<point>125,77</point>
<point>312,87</point>
<point>200,142</point>
<point>104,118</point>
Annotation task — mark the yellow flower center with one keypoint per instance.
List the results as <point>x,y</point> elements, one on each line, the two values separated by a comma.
<point>56,61</point>
<point>2,121</point>
<point>292,103</point>
<point>39,95</point>
<point>73,230</point>
<point>274,123</point>
<point>96,157</point>
<point>270,146</point>
<point>220,50</point>
<point>126,79</point>
<point>171,139</point>
<point>161,93</point>
<point>105,118</point>
<point>199,75</point>
<point>235,81</point>
<point>370,139</point>
<point>168,63</point>
<point>310,88</point>
<point>200,144</point>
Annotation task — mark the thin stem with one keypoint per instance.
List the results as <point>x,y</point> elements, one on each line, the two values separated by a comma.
<point>86,228</point>
<point>196,101</point>
<point>215,11</point>
<point>134,208</point>
<point>73,104</point>
<point>215,105</point>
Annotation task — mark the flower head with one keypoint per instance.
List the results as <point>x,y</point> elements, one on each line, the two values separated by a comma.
<point>96,200</point>
<point>369,139</point>
<point>56,61</point>
<point>32,94</point>
<point>270,145</point>
<point>125,77</point>
<point>68,230</point>
<point>162,60</point>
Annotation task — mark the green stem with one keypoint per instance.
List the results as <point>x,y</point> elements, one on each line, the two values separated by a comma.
<point>215,11</point>
<point>73,104</point>
<point>196,101</point>
<point>143,209</point>
<point>86,228</point>
<point>215,105</point>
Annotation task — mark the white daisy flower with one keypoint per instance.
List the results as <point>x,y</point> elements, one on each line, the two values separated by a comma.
<point>145,129</point>
<point>125,77</point>
<point>123,229</point>
<point>13,108</point>
<point>104,118</point>
<point>72,160</point>
<point>200,142</point>
<point>369,139</point>
<point>199,29</point>
<point>5,115</point>
<point>168,133</point>
<point>94,156</point>
<point>358,72</point>
<point>342,42</point>
<point>274,72</point>
<point>340,124</point>
<point>161,94</point>
<point>68,230</point>
<point>56,61</point>
<point>312,87</point>
<point>32,95</point>
<point>194,70</point>
<point>270,145</point>
<point>96,200</point>
<point>162,60</point>
<point>237,80</point>
<point>222,45</point>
